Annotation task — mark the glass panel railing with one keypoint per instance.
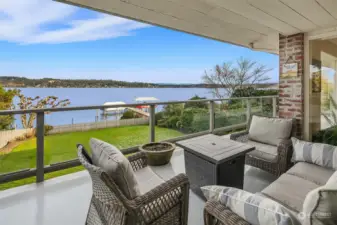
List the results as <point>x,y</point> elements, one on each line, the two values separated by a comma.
<point>124,128</point>
<point>262,106</point>
<point>168,121</point>
<point>230,112</point>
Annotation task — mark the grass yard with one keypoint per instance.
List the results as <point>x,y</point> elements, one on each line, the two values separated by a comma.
<point>62,147</point>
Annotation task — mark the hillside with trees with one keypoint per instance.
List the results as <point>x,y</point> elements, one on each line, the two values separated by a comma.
<point>22,82</point>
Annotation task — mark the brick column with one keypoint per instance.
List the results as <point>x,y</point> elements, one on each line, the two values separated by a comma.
<point>291,50</point>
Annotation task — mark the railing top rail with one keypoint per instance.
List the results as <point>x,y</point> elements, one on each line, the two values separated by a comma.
<point>75,108</point>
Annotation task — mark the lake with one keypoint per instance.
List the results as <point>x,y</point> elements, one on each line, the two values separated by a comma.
<point>98,96</point>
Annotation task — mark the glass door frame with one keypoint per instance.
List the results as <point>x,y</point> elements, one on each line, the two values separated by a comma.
<point>309,36</point>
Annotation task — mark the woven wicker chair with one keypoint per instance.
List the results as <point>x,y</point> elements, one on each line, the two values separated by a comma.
<point>164,204</point>
<point>217,214</point>
<point>273,165</point>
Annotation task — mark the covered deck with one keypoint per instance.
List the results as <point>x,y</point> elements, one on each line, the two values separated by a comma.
<point>65,199</point>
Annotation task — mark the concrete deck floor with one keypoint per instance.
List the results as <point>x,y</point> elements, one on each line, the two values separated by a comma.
<point>64,200</point>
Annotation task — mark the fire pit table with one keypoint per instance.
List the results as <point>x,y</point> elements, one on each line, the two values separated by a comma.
<point>214,160</point>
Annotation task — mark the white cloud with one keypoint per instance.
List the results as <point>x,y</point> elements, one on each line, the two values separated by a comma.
<point>30,22</point>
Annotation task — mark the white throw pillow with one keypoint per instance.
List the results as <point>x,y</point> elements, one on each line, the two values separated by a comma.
<point>254,208</point>
<point>320,154</point>
<point>269,130</point>
<point>320,206</point>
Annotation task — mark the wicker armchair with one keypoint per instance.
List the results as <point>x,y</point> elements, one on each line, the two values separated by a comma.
<point>217,214</point>
<point>164,204</point>
<point>274,165</point>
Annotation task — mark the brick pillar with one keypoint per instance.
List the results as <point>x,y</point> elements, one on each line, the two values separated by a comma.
<point>291,50</point>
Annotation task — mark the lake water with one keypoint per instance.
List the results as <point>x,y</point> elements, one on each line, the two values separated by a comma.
<point>98,96</point>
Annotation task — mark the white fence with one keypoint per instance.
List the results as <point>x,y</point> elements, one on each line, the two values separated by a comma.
<point>10,135</point>
<point>98,125</point>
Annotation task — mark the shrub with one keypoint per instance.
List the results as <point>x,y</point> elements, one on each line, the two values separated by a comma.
<point>28,135</point>
<point>194,120</point>
<point>20,138</point>
<point>326,136</point>
<point>202,105</point>
<point>47,129</point>
<point>129,115</point>
<point>159,116</point>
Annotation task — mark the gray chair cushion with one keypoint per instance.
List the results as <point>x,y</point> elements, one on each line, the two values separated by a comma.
<point>147,179</point>
<point>290,191</point>
<point>266,148</point>
<point>320,205</point>
<point>320,154</point>
<point>316,174</point>
<point>115,164</point>
<point>269,130</point>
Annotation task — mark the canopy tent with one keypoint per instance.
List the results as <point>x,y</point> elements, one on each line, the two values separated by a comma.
<point>254,24</point>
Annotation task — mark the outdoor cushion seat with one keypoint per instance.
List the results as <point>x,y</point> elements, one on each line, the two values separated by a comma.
<point>147,179</point>
<point>263,151</point>
<point>271,139</point>
<point>316,174</point>
<point>286,191</point>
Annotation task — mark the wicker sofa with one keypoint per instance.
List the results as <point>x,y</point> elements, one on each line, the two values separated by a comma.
<point>271,157</point>
<point>159,201</point>
<point>308,189</point>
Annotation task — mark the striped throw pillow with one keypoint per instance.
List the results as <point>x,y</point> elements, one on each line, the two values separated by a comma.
<point>254,208</point>
<point>320,154</point>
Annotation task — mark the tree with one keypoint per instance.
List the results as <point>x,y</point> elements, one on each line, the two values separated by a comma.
<point>227,78</point>
<point>37,102</point>
<point>202,105</point>
<point>6,103</point>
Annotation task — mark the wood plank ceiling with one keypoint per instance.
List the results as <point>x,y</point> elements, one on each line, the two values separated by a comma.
<point>254,24</point>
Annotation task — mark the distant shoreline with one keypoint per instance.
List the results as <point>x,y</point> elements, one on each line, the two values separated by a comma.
<point>106,87</point>
<point>23,82</point>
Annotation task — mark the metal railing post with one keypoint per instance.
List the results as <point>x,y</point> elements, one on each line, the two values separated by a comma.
<point>211,116</point>
<point>40,147</point>
<point>249,111</point>
<point>274,107</point>
<point>152,123</point>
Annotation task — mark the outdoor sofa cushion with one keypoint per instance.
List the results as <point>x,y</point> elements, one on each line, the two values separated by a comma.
<point>290,191</point>
<point>311,172</point>
<point>292,187</point>
<point>269,130</point>
<point>320,154</point>
<point>147,179</point>
<point>115,164</point>
<point>320,205</point>
<point>254,208</point>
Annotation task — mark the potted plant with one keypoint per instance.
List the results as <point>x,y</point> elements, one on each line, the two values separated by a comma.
<point>158,153</point>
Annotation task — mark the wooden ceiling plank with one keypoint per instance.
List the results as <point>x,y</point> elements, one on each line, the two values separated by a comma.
<point>236,19</point>
<point>222,33</point>
<point>312,11</point>
<point>282,12</point>
<point>187,14</point>
<point>330,6</point>
<point>241,7</point>
<point>198,5</point>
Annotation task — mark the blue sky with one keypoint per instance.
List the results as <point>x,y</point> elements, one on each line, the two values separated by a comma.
<point>64,41</point>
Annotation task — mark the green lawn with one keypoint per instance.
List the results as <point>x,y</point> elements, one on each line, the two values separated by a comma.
<point>62,147</point>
